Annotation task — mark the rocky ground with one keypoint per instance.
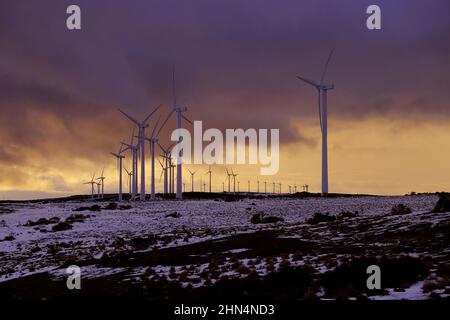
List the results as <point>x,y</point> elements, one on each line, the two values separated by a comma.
<point>246,247</point>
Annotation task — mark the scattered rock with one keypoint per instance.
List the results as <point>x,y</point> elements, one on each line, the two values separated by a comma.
<point>142,243</point>
<point>259,218</point>
<point>9,238</point>
<point>173,215</point>
<point>111,206</point>
<point>321,217</point>
<point>443,204</point>
<point>76,218</point>
<point>347,214</point>
<point>125,207</point>
<point>61,226</point>
<point>41,221</point>
<point>400,209</point>
<point>94,207</point>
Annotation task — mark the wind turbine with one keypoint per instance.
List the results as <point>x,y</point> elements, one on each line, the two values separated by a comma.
<point>265,186</point>
<point>234,180</point>
<point>290,188</point>
<point>280,187</point>
<point>92,182</point>
<point>98,189</point>
<point>141,125</point>
<point>179,110</point>
<point>209,172</point>
<point>102,181</point>
<point>238,185</point>
<point>152,140</point>
<point>134,151</point>
<point>249,186</point>
<point>192,179</point>
<point>130,174</point>
<point>273,187</point>
<point>258,185</point>
<point>168,163</point>
<point>119,157</point>
<point>228,175</point>
<point>322,90</point>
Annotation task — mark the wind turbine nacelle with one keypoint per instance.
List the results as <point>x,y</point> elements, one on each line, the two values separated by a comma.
<point>327,86</point>
<point>181,109</point>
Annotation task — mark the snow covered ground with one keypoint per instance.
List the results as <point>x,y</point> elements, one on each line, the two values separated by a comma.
<point>132,244</point>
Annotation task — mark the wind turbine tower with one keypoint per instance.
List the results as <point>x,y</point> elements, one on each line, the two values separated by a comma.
<point>322,90</point>
<point>209,172</point>
<point>119,158</point>
<point>192,179</point>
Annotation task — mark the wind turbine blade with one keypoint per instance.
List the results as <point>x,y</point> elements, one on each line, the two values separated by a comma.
<point>320,109</point>
<point>172,145</point>
<point>159,144</point>
<point>311,82</point>
<point>165,121</point>
<point>326,66</point>
<point>103,170</point>
<point>173,87</point>
<point>189,171</point>
<point>132,136</point>
<point>189,121</point>
<point>156,125</point>
<point>148,117</point>
<point>129,117</point>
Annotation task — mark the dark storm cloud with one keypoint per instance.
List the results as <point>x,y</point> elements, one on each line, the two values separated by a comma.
<point>236,61</point>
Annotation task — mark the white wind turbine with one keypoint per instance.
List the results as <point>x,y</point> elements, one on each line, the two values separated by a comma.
<point>134,150</point>
<point>192,179</point>
<point>119,157</point>
<point>98,189</point>
<point>141,125</point>
<point>179,110</point>
<point>210,173</point>
<point>228,175</point>
<point>92,182</point>
<point>102,181</point>
<point>152,140</point>
<point>130,175</point>
<point>322,89</point>
<point>234,180</point>
<point>168,181</point>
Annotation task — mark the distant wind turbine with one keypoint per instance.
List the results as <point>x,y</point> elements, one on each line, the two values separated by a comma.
<point>210,173</point>
<point>141,125</point>
<point>152,140</point>
<point>92,182</point>
<point>130,175</point>
<point>179,110</point>
<point>119,157</point>
<point>102,181</point>
<point>234,180</point>
<point>192,179</point>
<point>228,175</point>
<point>322,90</point>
